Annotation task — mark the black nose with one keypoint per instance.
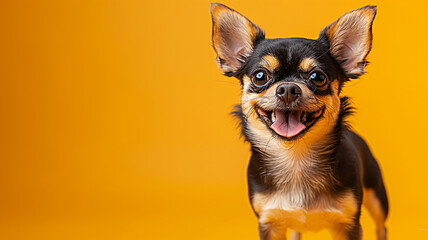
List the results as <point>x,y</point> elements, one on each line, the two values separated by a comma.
<point>288,92</point>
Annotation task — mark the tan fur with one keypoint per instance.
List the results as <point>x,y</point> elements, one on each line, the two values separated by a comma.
<point>307,64</point>
<point>276,213</point>
<point>373,205</point>
<point>295,235</point>
<point>325,124</point>
<point>269,62</point>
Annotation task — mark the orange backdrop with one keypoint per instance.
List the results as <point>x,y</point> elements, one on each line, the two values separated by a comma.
<point>114,118</point>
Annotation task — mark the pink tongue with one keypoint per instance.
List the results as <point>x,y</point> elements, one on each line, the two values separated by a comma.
<point>287,124</point>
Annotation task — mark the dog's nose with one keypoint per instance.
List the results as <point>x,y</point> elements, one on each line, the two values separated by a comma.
<point>288,92</point>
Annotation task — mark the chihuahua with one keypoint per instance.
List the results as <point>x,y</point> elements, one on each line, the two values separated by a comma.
<point>308,170</point>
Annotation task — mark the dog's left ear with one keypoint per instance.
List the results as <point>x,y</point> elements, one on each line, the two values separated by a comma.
<point>234,38</point>
<point>350,39</point>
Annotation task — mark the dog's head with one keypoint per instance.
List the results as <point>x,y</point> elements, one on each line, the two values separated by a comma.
<point>291,86</point>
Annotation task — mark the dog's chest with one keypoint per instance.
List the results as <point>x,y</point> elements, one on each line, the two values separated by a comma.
<point>287,210</point>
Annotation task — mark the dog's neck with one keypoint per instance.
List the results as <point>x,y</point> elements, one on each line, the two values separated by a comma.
<point>300,170</point>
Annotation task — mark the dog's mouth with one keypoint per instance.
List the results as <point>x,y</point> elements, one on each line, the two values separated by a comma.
<point>289,123</point>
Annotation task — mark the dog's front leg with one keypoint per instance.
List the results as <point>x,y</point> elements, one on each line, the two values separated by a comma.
<point>295,235</point>
<point>271,231</point>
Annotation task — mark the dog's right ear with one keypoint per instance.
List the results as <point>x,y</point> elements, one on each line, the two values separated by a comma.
<point>234,38</point>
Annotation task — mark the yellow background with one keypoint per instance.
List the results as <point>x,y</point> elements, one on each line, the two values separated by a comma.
<point>114,118</point>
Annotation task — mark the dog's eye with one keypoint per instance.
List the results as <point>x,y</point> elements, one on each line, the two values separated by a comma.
<point>260,78</point>
<point>318,79</point>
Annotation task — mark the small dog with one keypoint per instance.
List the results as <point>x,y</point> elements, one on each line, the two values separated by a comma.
<point>308,171</point>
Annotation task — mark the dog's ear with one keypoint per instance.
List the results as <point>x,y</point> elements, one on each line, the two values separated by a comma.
<point>350,39</point>
<point>234,37</point>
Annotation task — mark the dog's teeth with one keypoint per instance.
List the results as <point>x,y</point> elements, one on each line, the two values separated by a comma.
<point>304,115</point>
<point>273,117</point>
